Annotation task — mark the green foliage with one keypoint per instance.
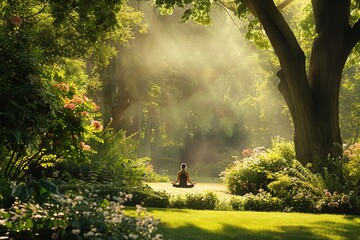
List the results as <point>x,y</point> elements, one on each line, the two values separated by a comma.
<point>258,168</point>
<point>199,11</point>
<point>352,166</point>
<point>147,197</point>
<point>39,190</point>
<point>43,78</point>
<point>262,201</point>
<point>208,200</point>
<point>337,203</point>
<point>299,187</point>
<point>116,160</point>
<point>237,203</point>
<point>177,202</point>
<point>75,217</point>
<point>304,191</point>
<point>5,193</point>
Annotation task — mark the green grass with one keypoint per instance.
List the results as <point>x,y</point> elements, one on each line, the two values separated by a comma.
<point>201,187</point>
<point>223,225</point>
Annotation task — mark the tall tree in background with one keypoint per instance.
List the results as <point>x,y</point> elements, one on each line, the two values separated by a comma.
<point>312,94</point>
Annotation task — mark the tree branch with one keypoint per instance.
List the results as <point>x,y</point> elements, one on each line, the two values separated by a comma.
<point>354,35</point>
<point>277,29</point>
<point>284,4</point>
<point>287,49</point>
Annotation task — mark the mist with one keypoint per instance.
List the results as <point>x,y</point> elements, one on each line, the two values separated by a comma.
<point>196,94</point>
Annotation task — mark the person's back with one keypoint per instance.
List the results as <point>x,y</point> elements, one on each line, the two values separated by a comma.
<point>183,178</point>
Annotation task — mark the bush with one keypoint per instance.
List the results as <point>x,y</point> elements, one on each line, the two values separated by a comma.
<point>177,202</point>
<point>352,166</point>
<point>237,203</point>
<point>258,168</point>
<point>263,201</point>
<point>337,203</point>
<point>199,201</point>
<point>206,200</point>
<point>75,217</point>
<point>299,188</point>
<point>147,197</point>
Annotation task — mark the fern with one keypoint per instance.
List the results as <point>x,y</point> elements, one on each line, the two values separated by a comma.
<point>306,179</point>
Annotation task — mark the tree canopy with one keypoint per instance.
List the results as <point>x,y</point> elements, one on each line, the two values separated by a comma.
<point>310,84</point>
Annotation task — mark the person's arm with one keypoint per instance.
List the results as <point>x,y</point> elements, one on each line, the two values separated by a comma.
<point>188,178</point>
<point>178,178</point>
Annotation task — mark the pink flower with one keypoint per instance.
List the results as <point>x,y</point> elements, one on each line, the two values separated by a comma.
<point>247,152</point>
<point>97,125</point>
<point>84,146</point>
<point>78,100</point>
<point>81,144</point>
<point>85,114</point>
<point>62,86</point>
<point>347,152</point>
<point>70,106</point>
<point>327,194</point>
<point>96,107</point>
<point>16,20</point>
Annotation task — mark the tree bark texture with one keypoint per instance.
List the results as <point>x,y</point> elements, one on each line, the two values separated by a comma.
<point>313,97</point>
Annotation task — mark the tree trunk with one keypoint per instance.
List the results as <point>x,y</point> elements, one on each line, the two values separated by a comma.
<point>313,100</point>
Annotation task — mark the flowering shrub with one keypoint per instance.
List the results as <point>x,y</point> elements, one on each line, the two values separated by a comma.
<point>258,168</point>
<point>335,203</point>
<point>76,217</point>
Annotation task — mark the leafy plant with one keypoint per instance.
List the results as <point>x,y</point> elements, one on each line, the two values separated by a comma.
<point>258,168</point>
<point>262,201</point>
<point>177,202</point>
<point>335,203</point>
<point>352,166</point>
<point>206,200</point>
<point>44,46</point>
<point>76,217</point>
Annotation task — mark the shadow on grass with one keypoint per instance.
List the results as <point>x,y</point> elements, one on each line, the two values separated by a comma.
<point>325,231</point>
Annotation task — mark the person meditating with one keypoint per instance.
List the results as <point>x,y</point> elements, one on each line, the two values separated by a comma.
<point>183,178</point>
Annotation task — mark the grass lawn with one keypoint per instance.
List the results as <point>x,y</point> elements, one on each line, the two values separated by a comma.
<point>217,187</point>
<point>225,225</point>
<point>222,225</point>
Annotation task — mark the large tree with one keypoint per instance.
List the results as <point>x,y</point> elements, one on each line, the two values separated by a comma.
<point>311,90</point>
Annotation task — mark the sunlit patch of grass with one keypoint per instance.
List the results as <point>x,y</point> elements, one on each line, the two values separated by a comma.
<point>218,188</point>
<point>216,225</point>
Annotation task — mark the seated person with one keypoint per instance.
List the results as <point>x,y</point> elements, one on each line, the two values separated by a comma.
<point>183,178</point>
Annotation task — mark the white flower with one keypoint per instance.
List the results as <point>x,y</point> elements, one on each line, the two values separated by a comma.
<point>76,231</point>
<point>133,236</point>
<point>158,237</point>
<point>79,198</point>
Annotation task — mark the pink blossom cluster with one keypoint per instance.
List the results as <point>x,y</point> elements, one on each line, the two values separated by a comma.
<point>353,151</point>
<point>247,152</point>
